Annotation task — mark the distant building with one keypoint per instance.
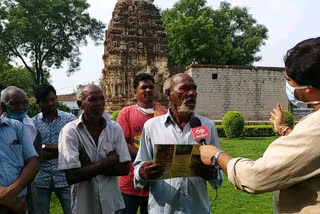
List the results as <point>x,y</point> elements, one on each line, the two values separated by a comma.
<point>70,101</point>
<point>253,91</point>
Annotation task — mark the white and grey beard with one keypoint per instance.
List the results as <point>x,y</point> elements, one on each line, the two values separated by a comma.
<point>184,108</point>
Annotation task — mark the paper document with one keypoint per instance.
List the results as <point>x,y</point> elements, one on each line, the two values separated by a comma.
<point>177,158</point>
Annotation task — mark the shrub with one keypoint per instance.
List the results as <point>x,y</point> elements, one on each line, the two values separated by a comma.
<point>250,131</point>
<point>34,108</point>
<point>114,115</point>
<point>220,131</point>
<point>288,119</point>
<point>63,107</point>
<point>233,123</point>
<point>258,131</point>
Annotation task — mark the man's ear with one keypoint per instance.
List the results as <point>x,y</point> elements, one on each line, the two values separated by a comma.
<point>134,92</point>
<point>167,93</point>
<point>79,103</point>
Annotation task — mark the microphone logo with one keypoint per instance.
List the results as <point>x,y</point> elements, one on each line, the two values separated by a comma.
<point>200,131</point>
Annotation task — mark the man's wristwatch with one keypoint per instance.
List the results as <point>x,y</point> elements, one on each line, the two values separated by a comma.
<point>214,158</point>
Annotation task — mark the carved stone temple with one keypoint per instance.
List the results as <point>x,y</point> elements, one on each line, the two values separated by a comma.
<point>135,43</point>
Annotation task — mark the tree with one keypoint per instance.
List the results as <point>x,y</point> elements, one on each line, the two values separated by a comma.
<point>198,33</point>
<point>17,76</point>
<point>45,33</point>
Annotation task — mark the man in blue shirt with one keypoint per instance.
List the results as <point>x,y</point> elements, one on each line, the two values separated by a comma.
<point>49,122</point>
<point>15,106</point>
<point>175,195</point>
<point>18,166</point>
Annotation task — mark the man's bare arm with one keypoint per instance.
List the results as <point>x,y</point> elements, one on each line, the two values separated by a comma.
<point>47,155</point>
<point>119,169</point>
<point>132,150</point>
<point>89,170</point>
<point>27,174</point>
<point>8,195</point>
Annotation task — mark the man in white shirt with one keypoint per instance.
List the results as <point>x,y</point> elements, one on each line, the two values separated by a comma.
<point>93,152</point>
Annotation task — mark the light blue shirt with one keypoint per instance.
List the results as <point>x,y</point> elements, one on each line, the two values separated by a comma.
<point>175,195</point>
<point>15,149</point>
<point>49,174</point>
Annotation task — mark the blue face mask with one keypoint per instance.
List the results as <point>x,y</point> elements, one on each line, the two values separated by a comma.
<point>16,115</point>
<point>292,98</point>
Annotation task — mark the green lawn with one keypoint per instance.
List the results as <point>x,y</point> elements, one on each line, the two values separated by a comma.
<point>230,201</point>
<point>234,201</point>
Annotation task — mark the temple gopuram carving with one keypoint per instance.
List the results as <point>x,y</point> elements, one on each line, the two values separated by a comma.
<point>135,43</point>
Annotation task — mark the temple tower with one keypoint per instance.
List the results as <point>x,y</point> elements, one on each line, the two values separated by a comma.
<point>135,43</point>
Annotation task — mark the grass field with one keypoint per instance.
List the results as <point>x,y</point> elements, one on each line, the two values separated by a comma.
<point>229,201</point>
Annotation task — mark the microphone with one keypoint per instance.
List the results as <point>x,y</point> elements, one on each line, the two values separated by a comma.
<point>200,133</point>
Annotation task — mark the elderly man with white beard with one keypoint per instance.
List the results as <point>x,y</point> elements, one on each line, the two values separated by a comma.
<point>175,195</point>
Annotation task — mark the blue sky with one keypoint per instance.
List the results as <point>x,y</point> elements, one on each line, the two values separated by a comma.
<point>288,22</point>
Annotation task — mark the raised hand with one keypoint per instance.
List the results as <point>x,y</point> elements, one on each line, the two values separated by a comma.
<point>277,118</point>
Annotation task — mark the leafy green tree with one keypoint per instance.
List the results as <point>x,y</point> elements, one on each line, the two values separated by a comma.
<point>198,33</point>
<point>17,76</point>
<point>45,33</point>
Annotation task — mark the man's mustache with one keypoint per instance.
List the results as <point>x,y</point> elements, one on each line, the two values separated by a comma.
<point>189,100</point>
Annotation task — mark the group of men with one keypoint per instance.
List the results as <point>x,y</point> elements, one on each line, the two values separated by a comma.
<point>80,158</point>
<point>89,153</point>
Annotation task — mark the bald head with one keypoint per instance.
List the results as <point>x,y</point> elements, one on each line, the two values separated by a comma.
<point>10,92</point>
<point>90,99</point>
<point>14,99</point>
<point>172,81</point>
<point>83,91</point>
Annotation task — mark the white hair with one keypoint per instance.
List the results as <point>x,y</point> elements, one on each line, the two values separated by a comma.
<point>79,93</point>
<point>8,92</point>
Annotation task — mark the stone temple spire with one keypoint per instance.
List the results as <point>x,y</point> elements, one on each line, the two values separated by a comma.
<point>135,43</point>
<point>147,1</point>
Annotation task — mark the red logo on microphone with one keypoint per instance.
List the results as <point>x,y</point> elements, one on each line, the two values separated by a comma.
<point>200,132</point>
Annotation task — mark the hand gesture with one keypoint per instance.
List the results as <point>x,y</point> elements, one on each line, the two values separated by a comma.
<point>150,170</point>
<point>277,117</point>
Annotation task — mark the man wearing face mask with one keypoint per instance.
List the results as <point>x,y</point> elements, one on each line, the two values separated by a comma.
<point>290,167</point>
<point>18,164</point>
<point>14,105</point>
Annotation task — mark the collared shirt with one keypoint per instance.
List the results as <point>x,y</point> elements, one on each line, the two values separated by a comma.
<point>132,119</point>
<point>175,195</point>
<point>15,149</point>
<point>48,172</point>
<point>100,194</point>
<point>29,128</point>
<point>290,166</point>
